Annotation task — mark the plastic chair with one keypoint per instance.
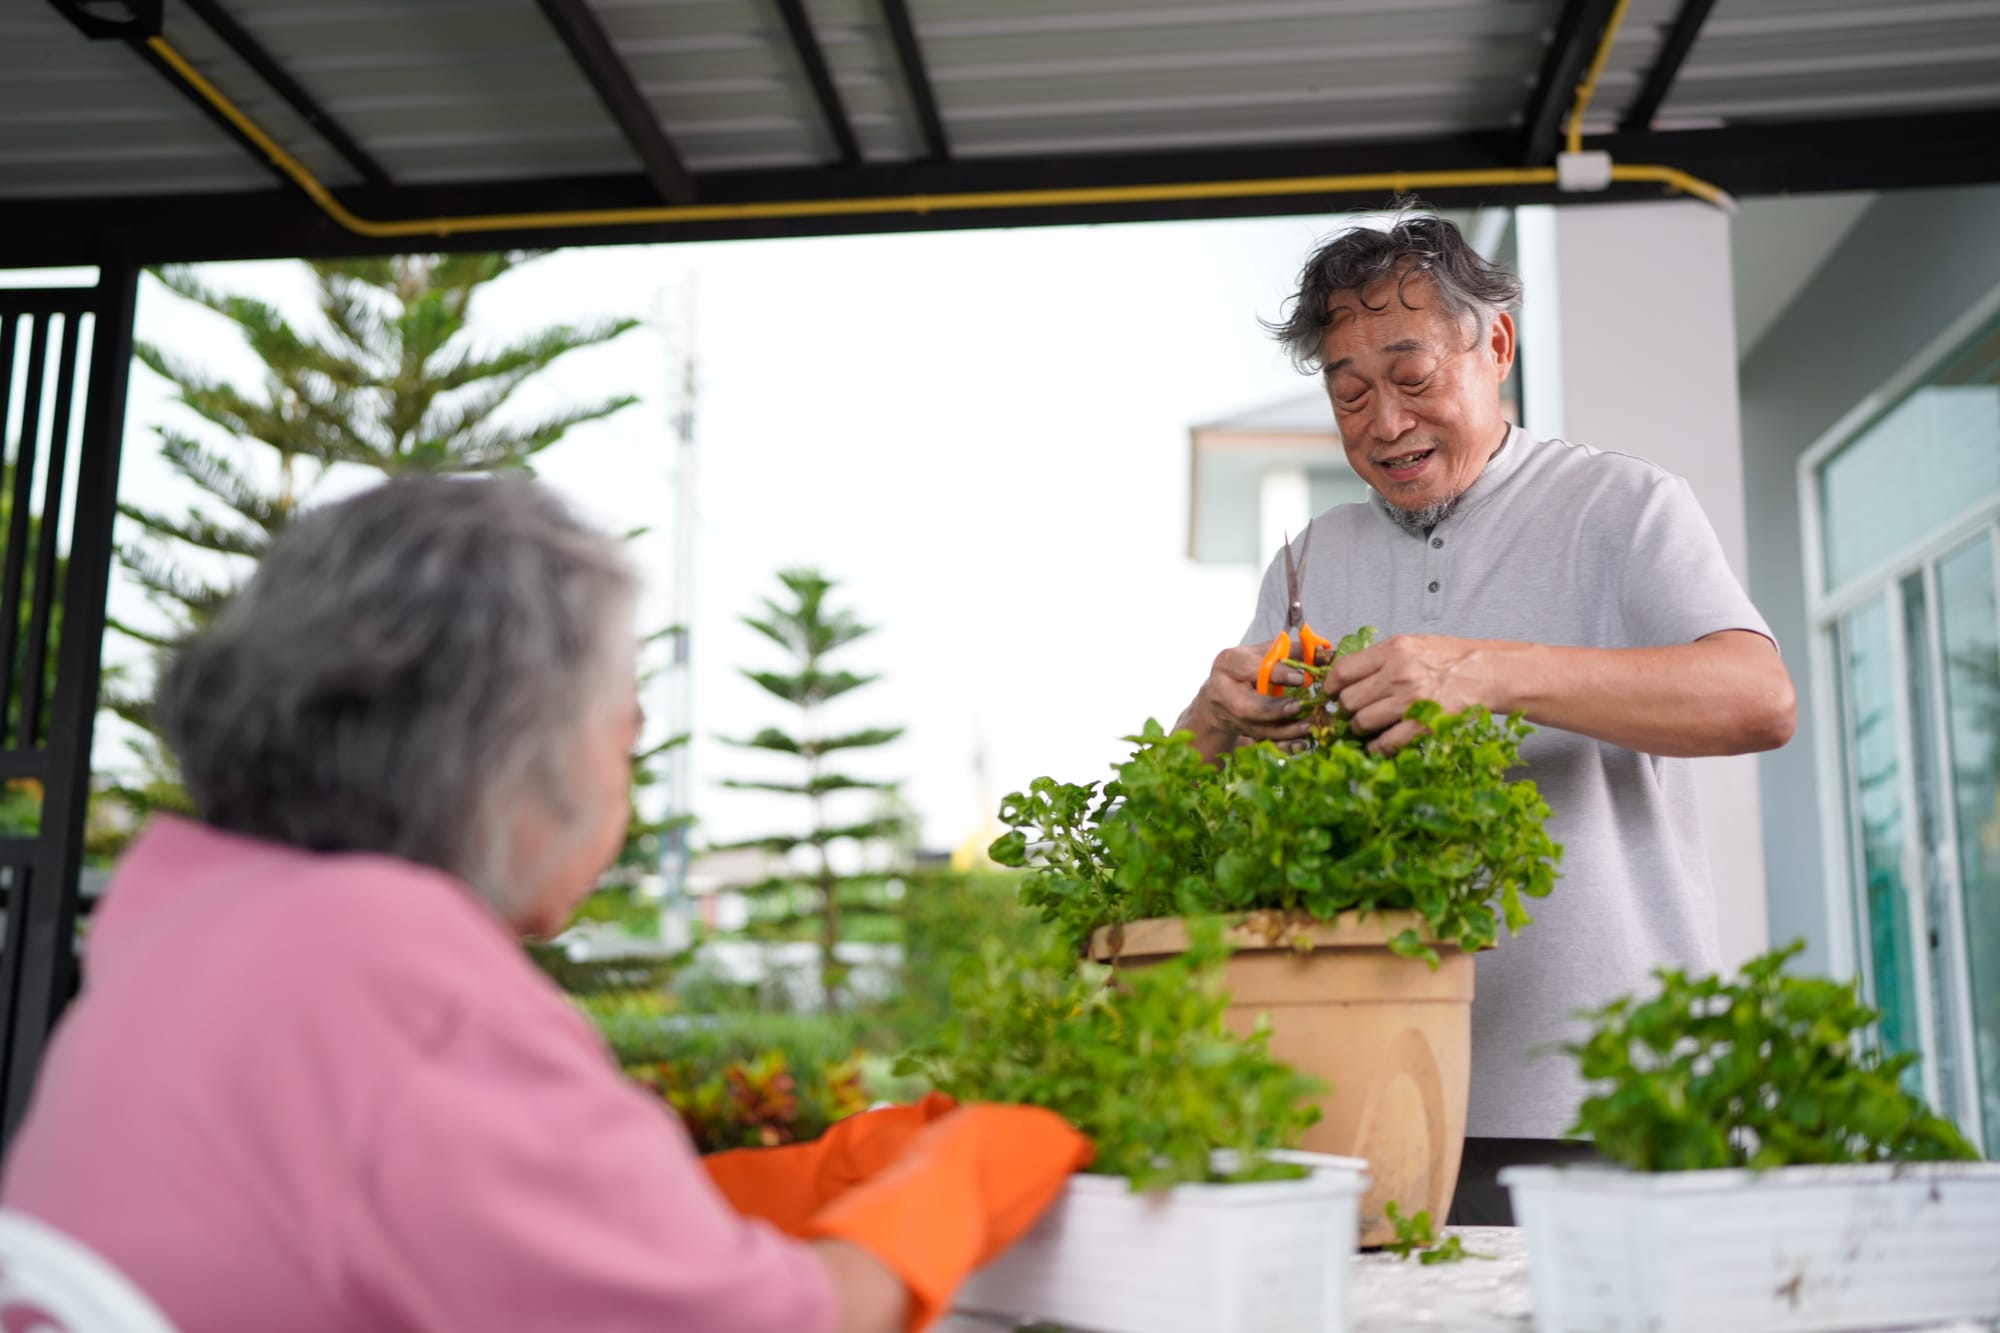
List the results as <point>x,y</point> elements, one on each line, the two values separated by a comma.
<point>52,1284</point>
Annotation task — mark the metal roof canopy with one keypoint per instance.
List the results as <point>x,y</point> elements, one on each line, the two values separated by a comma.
<point>449,108</point>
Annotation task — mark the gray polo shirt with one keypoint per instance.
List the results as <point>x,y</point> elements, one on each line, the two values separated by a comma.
<point>1555,543</point>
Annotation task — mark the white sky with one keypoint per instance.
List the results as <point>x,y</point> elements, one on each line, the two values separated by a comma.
<point>982,434</point>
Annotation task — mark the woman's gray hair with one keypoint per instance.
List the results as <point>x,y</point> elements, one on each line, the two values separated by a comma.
<point>1414,242</point>
<point>403,671</point>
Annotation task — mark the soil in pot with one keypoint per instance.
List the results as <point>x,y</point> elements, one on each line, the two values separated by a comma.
<point>1390,1037</point>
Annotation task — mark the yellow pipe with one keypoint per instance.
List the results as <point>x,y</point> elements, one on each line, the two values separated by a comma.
<point>1588,88</point>
<point>1390,182</point>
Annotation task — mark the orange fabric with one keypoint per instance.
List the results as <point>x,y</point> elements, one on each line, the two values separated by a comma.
<point>786,1186</point>
<point>964,1189</point>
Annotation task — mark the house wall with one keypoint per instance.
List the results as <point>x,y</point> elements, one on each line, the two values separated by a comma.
<point>1913,263</point>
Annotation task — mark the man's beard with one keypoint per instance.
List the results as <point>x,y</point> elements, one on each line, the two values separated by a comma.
<point>1419,522</point>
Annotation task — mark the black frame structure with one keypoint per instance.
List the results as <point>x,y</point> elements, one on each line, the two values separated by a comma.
<point>44,595</point>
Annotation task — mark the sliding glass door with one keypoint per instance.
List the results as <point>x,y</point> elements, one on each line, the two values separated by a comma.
<point>1909,560</point>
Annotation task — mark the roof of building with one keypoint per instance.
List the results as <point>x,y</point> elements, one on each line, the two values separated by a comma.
<point>1305,413</point>
<point>421,108</point>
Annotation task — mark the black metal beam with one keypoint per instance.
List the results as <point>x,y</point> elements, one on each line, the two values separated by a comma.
<point>806,43</point>
<point>1666,66</point>
<point>1571,46</point>
<point>36,967</point>
<point>251,53</point>
<point>591,48</point>
<point>1883,153</point>
<point>916,76</point>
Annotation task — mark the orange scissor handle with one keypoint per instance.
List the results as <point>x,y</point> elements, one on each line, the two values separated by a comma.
<point>1310,644</point>
<point>1280,648</point>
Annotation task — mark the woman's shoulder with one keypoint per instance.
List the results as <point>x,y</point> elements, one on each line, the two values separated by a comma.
<point>377,938</point>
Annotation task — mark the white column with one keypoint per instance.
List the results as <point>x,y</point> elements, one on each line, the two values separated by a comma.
<point>1628,343</point>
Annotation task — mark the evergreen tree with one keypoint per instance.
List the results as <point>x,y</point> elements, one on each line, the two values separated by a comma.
<point>395,382</point>
<point>821,899</point>
<point>395,379</point>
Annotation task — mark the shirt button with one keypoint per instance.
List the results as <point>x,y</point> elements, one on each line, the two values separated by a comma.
<point>1437,543</point>
<point>1434,585</point>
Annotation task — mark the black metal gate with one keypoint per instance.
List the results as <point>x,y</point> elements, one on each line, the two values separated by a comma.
<point>64,358</point>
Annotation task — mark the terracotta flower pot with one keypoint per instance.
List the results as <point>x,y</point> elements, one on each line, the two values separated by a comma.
<point>1391,1038</point>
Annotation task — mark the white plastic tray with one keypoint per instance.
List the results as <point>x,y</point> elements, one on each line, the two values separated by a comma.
<point>1800,1249</point>
<point>1270,1257</point>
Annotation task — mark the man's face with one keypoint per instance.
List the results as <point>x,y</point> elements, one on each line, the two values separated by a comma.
<point>1416,393</point>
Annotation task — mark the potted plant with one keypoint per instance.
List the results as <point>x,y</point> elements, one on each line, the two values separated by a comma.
<point>1777,1174</point>
<point>1192,1215</point>
<point>1356,888</point>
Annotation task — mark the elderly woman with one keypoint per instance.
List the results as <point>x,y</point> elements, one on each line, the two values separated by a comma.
<point>313,1084</point>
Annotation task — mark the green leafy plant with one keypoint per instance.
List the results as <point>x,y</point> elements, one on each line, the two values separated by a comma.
<point>740,1080</point>
<point>1415,1235</point>
<point>1138,1059</point>
<point>1436,828</point>
<point>755,1102</point>
<point>1767,1070</point>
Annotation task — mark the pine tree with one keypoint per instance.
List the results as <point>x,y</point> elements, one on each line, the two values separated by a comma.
<point>394,380</point>
<point>810,631</point>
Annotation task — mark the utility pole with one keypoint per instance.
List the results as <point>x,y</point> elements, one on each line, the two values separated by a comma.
<point>681,371</point>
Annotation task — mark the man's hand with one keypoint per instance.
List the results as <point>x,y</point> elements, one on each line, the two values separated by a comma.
<point>1229,711</point>
<point>1377,685</point>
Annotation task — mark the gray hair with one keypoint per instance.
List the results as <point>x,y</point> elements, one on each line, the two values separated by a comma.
<point>404,669</point>
<point>1356,259</point>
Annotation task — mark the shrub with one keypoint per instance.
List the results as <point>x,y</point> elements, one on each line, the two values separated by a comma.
<point>1767,1070</point>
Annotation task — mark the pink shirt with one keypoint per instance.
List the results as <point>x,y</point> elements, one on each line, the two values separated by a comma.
<point>328,1092</point>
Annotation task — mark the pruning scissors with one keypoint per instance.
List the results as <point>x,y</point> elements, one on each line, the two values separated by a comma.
<point>1295,619</point>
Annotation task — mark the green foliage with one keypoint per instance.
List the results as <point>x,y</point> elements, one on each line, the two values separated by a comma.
<point>758,1102</point>
<point>1138,1059</point>
<point>741,1081</point>
<point>1762,1071</point>
<point>1436,828</point>
<point>1415,1235</point>
<point>947,916</point>
<point>821,902</point>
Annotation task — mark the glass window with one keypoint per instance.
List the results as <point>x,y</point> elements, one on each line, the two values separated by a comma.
<point>1927,460</point>
<point>1970,631</point>
<point>1875,795</point>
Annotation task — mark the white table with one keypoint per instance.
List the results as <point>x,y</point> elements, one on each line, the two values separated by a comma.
<point>1391,1295</point>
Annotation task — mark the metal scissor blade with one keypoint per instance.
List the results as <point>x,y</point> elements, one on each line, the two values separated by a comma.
<point>1294,573</point>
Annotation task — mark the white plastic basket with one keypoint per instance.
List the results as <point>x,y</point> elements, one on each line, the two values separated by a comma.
<point>1801,1249</point>
<point>1269,1257</point>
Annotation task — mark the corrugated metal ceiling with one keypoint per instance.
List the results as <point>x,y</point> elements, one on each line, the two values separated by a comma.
<point>481,90</point>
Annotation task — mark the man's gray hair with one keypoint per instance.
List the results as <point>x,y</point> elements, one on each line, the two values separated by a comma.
<point>1414,242</point>
<point>405,669</point>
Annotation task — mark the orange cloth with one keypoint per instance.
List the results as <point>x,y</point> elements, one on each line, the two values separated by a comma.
<point>963,1189</point>
<point>786,1186</point>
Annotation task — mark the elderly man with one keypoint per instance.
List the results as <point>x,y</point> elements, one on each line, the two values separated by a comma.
<point>1582,588</point>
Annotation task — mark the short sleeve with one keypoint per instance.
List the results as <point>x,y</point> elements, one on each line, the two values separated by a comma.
<point>1269,621</point>
<point>1676,585</point>
<point>516,1181</point>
